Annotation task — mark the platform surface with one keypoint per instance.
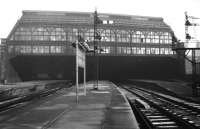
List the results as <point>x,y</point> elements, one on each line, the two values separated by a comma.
<point>105,108</point>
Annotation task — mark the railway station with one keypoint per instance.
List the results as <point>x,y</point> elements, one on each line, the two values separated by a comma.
<point>39,47</point>
<point>89,70</point>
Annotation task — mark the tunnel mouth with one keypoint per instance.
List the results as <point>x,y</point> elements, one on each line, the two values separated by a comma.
<point>56,67</point>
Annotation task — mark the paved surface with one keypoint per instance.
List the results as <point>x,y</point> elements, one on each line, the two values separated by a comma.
<point>27,84</point>
<point>30,87</point>
<point>105,108</point>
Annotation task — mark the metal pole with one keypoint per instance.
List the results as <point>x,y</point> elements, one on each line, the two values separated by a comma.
<point>84,75</point>
<point>194,85</point>
<point>76,72</point>
<point>97,70</point>
<point>95,86</point>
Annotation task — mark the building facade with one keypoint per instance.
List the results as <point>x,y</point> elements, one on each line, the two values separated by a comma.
<point>39,46</point>
<point>2,60</point>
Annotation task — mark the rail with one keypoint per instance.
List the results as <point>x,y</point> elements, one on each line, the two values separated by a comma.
<point>165,111</point>
<point>14,101</point>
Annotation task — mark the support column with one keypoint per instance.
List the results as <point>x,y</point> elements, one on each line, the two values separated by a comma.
<point>84,78</point>
<point>194,84</point>
<point>77,72</point>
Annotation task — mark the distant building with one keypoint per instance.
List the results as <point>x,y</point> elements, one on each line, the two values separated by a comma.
<point>39,46</point>
<point>188,64</point>
<point>2,60</point>
<point>198,57</point>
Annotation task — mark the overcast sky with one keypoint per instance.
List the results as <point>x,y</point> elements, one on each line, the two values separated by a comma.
<point>171,10</point>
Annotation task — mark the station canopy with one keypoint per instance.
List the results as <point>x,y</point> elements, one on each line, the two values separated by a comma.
<point>86,18</point>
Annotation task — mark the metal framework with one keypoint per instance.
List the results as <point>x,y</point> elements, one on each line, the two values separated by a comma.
<point>35,33</point>
<point>193,61</point>
<point>52,33</point>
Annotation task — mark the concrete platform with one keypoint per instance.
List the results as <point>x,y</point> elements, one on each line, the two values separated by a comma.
<point>29,87</point>
<point>28,84</point>
<point>105,108</point>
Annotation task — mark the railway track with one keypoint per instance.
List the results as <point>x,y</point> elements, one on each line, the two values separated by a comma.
<point>164,112</point>
<point>182,102</point>
<point>15,102</point>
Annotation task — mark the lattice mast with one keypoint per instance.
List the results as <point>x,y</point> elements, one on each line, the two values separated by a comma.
<point>193,61</point>
<point>179,47</point>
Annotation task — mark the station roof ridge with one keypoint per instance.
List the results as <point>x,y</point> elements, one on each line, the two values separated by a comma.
<point>84,14</point>
<point>33,17</point>
<point>51,12</point>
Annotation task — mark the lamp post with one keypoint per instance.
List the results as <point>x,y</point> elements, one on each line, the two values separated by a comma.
<point>97,37</point>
